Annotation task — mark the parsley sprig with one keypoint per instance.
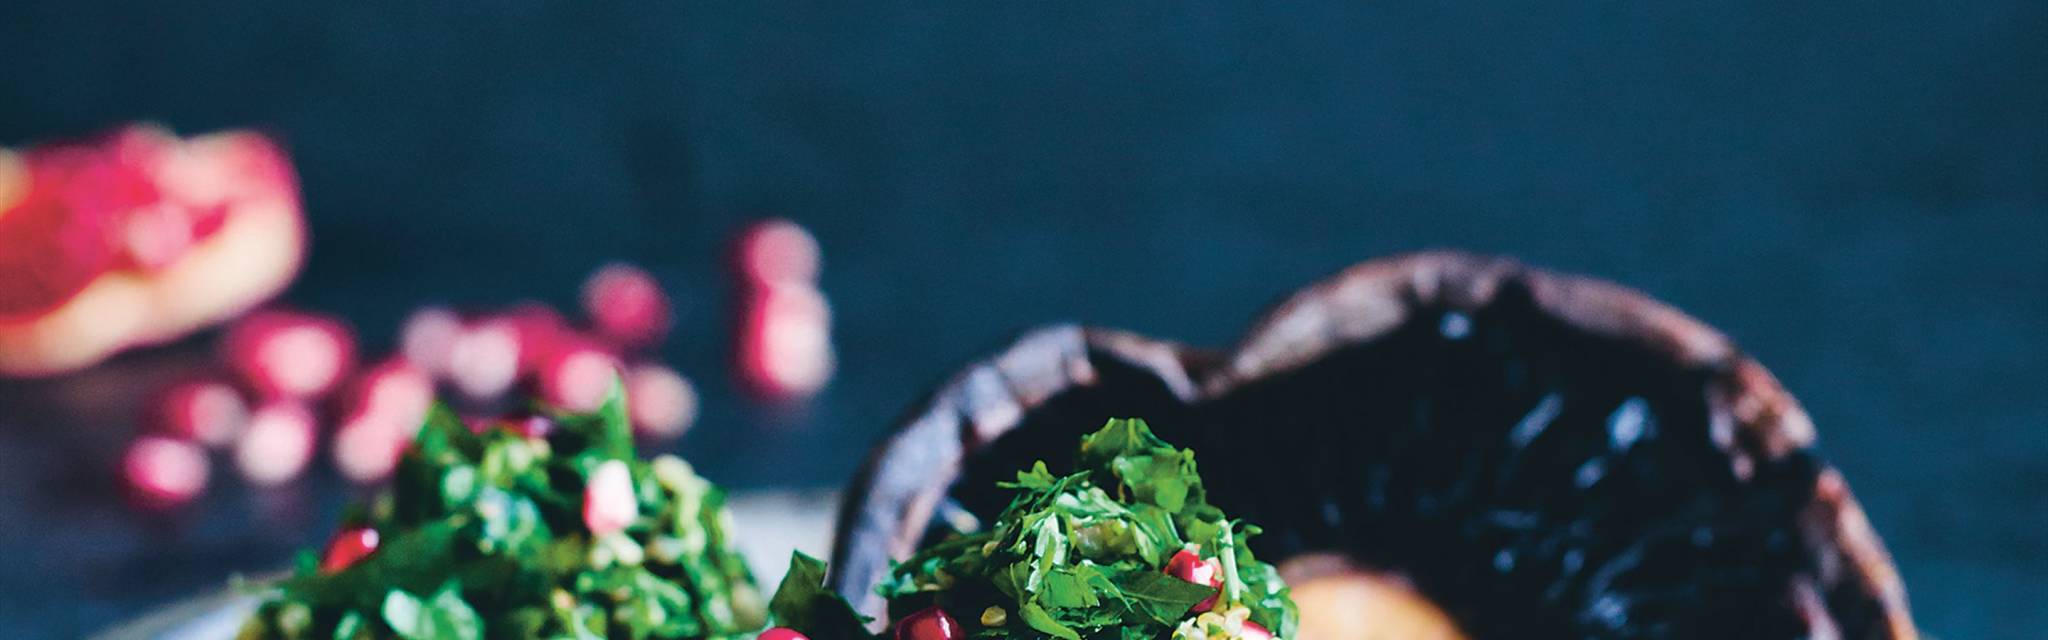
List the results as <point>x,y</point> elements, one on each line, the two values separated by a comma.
<point>1073,557</point>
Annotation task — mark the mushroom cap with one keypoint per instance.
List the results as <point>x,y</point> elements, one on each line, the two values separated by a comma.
<point>1380,414</point>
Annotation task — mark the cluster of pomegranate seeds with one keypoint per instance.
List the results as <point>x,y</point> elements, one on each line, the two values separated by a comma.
<point>785,325</point>
<point>931,623</point>
<point>295,371</point>
<point>285,364</point>
<point>290,355</point>
<point>207,411</point>
<point>1189,566</point>
<point>529,344</point>
<point>386,403</point>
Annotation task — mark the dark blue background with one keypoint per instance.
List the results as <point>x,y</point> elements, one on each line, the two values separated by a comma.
<point>1855,193</point>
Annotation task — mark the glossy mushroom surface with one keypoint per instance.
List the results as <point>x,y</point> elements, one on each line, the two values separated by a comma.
<point>1539,455</point>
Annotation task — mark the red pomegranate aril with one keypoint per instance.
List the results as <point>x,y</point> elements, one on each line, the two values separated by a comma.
<point>163,472</point>
<point>626,306</point>
<point>393,388</point>
<point>930,623</point>
<point>367,447</point>
<point>785,344</point>
<point>781,633</point>
<point>209,412</point>
<point>660,401</point>
<point>55,248</point>
<point>1188,566</point>
<point>290,355</point>
<point>541,333</point>
<point>277,445</point>
<point>577,377</point>
<point>484,361</point>
<point>778,253</point>
<point>348,547</point>
<point>428,338</point>
<point>157,235</point>
<point>609,503</point>
<point>385,409</point>
<point>1254,631</point>
<point>222,172</point>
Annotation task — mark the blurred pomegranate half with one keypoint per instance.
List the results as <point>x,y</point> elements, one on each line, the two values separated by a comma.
<point>136,238</point>
<point>1439,446</point>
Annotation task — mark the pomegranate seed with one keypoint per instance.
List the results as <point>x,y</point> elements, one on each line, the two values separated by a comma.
<point>277,445</point>
<point>1254,631</point>
<point>367,447</point>
<point>931,623</point>
<point>577,377</point>
<point>626,306</point>
<point>661,402</point>
<point>209,412</point>
<point>484,361</point>
<point>162,472</point>
<point>541,333</point>
<point>1193,568</point>
<point>394,389</point>
<point>428,338</point>
<point>348,547</point>
<point>778,253</point>
<point>785,342</point>
<point>781,633</point>
<point>608,500</point>
<point>290,355</point>
<point>385,410</point>
<point>156,235</point>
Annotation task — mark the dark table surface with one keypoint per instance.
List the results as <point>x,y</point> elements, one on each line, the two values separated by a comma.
<point>1856,194</point>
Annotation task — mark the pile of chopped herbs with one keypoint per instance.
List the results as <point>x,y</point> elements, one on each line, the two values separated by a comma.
<point>485,536</point>
<point>1083,555</point>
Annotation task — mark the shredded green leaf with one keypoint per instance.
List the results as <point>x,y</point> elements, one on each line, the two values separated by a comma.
<point>483,537</point>
<point>1083,555</point>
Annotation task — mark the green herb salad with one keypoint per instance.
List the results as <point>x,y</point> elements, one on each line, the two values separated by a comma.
<point>539,527</point>
<point>1125,548</point>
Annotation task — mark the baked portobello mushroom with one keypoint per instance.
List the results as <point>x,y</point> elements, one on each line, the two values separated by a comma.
<point>1518,452</point>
